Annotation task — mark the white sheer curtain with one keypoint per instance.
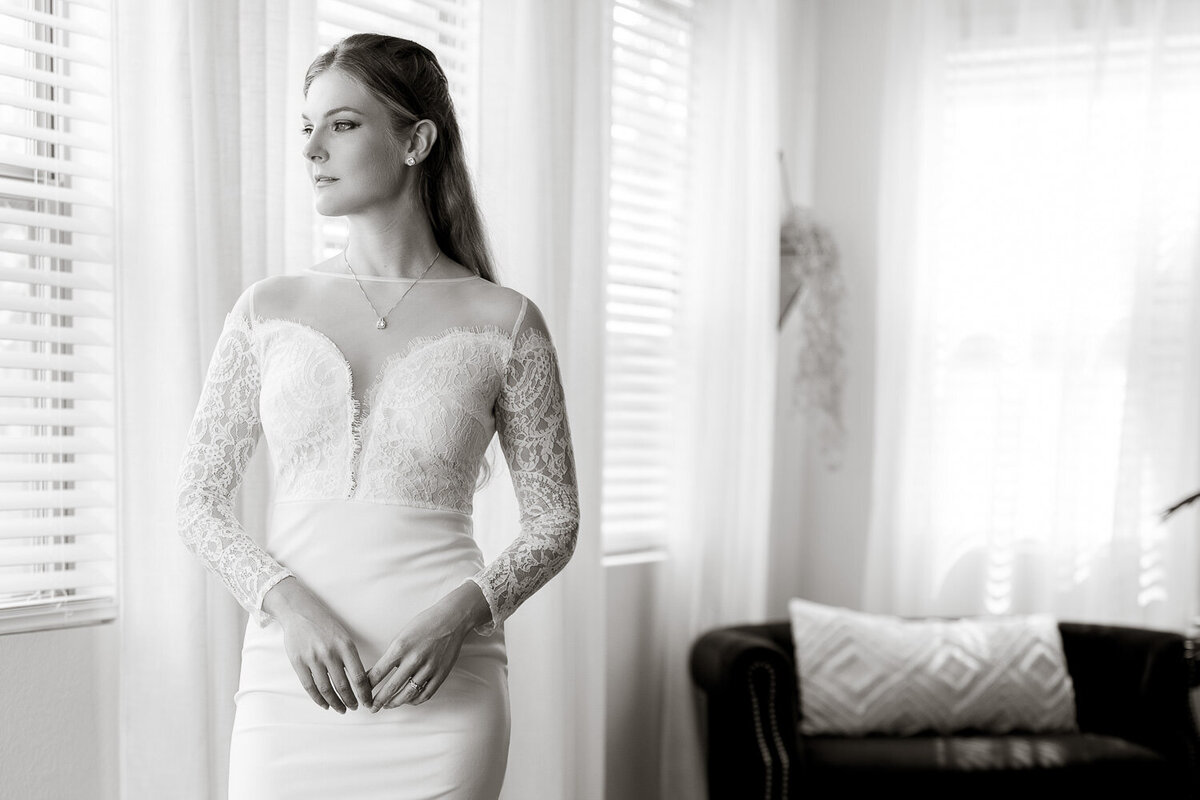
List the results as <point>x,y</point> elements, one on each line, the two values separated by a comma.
<point>540,181</point>
<point>1039,311</point>
<point>207,203</point>
<point>717,553</point>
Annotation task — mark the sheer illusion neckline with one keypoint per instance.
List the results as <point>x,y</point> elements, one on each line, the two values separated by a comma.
<point>387,278</point>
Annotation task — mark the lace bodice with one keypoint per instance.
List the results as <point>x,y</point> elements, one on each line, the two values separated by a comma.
<point>417,436</point>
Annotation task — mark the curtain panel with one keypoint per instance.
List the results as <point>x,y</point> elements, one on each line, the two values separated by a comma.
<point>1038,344</point>
<point>717,551</point>
<point>206,204</point>
<point>541,187</point>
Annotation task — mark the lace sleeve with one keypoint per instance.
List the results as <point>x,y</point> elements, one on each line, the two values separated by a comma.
<point>531,422</point>
<point>222,438</point>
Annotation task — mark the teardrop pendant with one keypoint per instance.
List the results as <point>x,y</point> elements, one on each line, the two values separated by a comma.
<point>381,322</point>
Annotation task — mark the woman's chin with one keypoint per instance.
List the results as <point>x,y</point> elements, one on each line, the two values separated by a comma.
<point>328,203</point>
<point>328,209</point>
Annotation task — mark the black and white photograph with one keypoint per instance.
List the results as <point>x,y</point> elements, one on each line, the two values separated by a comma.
<point>599,399</point>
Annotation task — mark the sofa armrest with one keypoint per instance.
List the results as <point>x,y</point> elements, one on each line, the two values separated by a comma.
<point>749,698</point>
<point>1134,683</point>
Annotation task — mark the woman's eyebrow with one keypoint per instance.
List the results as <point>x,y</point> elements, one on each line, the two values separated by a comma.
<point>334,111</point>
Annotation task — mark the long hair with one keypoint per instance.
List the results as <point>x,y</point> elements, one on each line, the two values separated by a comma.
<point>407,79</point>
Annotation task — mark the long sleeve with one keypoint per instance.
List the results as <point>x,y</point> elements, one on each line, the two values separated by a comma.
<point>531,423</point>
<point>223,436</point>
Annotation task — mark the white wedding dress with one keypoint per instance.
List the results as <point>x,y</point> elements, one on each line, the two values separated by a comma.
<point>371,501</point>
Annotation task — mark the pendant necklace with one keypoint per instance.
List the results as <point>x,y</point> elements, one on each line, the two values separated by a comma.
<point>381,319</point>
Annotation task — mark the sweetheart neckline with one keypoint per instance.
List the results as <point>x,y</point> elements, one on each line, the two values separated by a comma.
<point>410,348</point>
<point>360,410</point>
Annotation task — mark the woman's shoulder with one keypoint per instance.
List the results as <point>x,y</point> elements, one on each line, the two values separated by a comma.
<point>523,310</point>
<point>269,289</point>
<point>489,302</point>
<point>277,295</point>
<point>523,314</point>
<point>493,295</point>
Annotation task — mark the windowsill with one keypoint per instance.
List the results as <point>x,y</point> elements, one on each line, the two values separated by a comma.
<point>634,557</point>
<point>46,618</point>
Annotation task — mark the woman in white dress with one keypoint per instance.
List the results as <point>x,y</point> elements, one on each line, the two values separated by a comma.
<point>374,664</point>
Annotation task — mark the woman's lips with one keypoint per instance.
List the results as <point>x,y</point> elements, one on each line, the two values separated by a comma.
<point>323,181</point>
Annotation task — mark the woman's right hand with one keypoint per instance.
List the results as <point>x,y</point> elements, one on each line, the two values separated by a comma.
<point>320,648</point>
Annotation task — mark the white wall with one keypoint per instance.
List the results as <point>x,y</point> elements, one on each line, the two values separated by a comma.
<point>797,47</point>
<point>58,735</point>
<point>632,704</point>
<point>820,517</point>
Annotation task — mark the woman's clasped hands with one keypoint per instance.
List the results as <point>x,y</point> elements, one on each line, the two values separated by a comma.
<point>412,668</point>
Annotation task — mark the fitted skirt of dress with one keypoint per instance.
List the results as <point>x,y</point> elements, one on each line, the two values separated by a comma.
<point>375,566</point>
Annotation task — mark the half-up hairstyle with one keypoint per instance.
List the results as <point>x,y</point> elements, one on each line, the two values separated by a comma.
<point>408,80</point>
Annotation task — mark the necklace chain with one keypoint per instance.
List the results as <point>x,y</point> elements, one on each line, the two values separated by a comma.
<point>381,319</point>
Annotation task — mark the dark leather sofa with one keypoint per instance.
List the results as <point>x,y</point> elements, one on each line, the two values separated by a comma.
<point>1137,737</point>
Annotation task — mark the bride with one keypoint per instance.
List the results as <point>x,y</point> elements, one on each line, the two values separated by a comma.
<point>375,665</point>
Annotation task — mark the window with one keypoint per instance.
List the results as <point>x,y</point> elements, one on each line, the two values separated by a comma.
<point>1055,273</point>
<point>57,454</point>
<point>647,209</point>
<point>450,28</point>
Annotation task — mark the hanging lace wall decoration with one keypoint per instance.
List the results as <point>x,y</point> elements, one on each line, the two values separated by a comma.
<point>811,285</point>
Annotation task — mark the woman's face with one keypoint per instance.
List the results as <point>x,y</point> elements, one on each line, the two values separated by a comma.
<point>354,161</point>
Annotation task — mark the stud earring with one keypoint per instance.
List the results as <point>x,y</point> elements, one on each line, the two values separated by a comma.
<point>410,161</point>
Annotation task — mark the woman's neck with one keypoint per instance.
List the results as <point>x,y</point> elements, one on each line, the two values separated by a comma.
<point>399,245</point>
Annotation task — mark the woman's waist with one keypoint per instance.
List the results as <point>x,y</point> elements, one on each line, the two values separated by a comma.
<point>445,496</point>
<point>356,538</point>
<point>374,565</point>
<point>368,505</point>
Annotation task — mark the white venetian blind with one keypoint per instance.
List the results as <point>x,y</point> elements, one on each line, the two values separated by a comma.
<point>57,513</point>
<point>450,28</point>
<point>647,206</point>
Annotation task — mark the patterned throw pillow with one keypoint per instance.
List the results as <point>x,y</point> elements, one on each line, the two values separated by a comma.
<point>866,673</point>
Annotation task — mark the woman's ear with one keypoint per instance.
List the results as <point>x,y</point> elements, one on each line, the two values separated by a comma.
<point>421,141</point>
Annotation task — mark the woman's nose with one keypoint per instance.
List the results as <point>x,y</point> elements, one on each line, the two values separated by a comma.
<point>313,150</point>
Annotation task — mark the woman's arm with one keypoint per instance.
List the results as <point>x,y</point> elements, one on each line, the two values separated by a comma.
<point>531,423</point>
<point>223,436</point>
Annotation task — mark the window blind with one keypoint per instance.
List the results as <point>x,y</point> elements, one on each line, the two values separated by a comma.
<point>647,206</point>
<point>450,28</point>
<point>57,493</point>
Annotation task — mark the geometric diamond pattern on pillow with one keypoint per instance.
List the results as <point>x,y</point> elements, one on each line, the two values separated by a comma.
<point>865,673</point>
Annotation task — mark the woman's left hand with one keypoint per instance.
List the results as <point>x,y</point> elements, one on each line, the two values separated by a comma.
<point>420,657</point>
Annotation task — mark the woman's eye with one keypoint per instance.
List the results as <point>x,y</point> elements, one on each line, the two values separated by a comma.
<point>340,126</point>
